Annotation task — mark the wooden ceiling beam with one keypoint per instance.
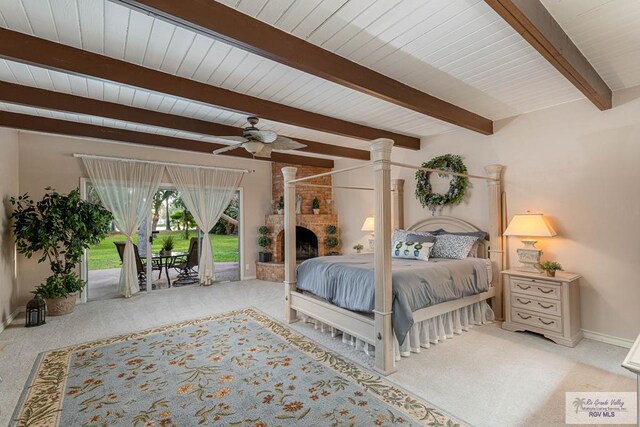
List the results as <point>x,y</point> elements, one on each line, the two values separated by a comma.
<point>41,98</point>
<point>44,53</point>
<point>538,27</point>
<point>237,29</point>
<point>68,128</point>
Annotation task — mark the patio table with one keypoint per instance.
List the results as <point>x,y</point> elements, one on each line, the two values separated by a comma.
<point>166,260</point>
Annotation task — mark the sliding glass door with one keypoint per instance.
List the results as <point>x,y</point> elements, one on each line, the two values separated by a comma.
<point>168,246</point>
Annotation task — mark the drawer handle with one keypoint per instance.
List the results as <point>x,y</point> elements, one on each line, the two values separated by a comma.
<point>547,323</point>
<point>523,317</point>
<point>523,302</point>
<point>524,288</point>
<point>545,292</point>
<point>545,306</point>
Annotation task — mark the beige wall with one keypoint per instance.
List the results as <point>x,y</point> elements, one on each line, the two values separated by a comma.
<point>46,160</point>
<point>8,188</point>
<point>577,165</point>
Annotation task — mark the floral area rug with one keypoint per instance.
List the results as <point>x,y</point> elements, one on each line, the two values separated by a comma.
<point>240,368</point>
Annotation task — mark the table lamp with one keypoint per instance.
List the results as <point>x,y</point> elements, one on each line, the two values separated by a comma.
<point>528,226</point>
<point>368,225</point>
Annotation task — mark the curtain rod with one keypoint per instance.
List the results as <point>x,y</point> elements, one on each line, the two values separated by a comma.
<point>121,159</point>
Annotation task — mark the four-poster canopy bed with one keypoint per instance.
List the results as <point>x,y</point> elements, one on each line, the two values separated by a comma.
<point>388,212</point>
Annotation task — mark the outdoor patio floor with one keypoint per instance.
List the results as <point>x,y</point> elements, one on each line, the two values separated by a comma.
<point>103,284</point>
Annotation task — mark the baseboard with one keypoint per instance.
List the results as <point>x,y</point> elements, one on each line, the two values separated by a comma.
<point>11,318</point>
<point>608,339</point>
<point>249,277</point>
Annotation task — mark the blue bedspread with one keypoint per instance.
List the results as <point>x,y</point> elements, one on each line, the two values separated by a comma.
<point>348,282</point>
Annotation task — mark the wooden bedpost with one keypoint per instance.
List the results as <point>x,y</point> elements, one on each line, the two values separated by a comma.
<point>496,240</point>
<point>289,174</point>
<point>381,157</point>
<point>397,203</point>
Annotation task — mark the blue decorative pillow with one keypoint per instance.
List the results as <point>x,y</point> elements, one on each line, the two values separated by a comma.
<point>412,250</point>
<point>420,238</point>
<point>482,235</point>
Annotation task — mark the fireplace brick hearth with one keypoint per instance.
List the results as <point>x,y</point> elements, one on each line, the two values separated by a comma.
<point>316,224</point>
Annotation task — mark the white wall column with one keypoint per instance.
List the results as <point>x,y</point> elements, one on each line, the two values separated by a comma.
<point>381,157</point>
<point>496,240</point>
<point>289,174</point>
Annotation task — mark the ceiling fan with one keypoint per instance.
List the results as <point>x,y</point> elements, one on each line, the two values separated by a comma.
<point>258,142</point>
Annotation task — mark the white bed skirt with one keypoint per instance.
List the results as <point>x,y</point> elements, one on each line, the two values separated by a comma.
<point>422,334</point>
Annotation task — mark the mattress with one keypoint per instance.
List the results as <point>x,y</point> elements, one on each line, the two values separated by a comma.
<point>349,282</point>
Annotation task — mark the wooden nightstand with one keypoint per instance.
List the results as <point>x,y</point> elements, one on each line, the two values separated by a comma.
<point>546,305</point>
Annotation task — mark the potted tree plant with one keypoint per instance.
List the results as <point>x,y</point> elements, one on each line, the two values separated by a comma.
<point>316,206</point>
<point>264,242</point>
<point>281,205</point>
<point>550,267</point>
<point>61,227</point>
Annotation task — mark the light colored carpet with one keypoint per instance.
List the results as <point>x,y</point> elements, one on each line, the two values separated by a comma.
<point>486,377</point>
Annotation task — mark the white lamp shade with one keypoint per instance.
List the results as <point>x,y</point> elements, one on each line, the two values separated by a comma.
<point>368,224</point>
<point>529,225</point>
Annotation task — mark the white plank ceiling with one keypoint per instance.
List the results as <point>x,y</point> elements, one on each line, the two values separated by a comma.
<point>29,75</point>
<point>110,29</point>
<point>460,51</point>
<point>608,34</point>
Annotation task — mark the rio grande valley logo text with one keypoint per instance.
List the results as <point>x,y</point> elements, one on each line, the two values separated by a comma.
<point>601,408</point>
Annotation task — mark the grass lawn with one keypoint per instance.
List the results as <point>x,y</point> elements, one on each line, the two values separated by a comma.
<point>104,255</point>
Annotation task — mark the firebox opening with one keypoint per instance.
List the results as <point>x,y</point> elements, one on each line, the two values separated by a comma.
<point>306,244</point>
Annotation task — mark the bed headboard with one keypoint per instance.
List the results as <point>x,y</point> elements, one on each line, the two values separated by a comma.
<point>451,224</point>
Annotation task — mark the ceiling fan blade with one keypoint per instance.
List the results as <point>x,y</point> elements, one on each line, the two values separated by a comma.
<point>228,148</point>
<point>265,136</point>
<point>265,152</point>
<point>284,143</point>
<point>228,139</point>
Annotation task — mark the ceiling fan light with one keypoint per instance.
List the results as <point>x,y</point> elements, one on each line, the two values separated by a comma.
<point>253,147</point>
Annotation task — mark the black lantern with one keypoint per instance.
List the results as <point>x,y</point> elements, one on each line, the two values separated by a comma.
<point>35,312</point>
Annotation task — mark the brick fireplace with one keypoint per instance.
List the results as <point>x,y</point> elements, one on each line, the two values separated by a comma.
<point>310,229</point>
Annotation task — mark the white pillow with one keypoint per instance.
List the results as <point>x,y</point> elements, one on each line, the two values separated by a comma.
<point>412,250</point>
<point>452,246</point>
<point>400,235</point>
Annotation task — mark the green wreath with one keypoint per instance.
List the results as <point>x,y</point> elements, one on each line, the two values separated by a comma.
<point>457,186</point>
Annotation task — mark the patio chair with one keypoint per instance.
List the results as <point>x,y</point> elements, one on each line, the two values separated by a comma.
<point>186,267</point>
<point>141,266</point>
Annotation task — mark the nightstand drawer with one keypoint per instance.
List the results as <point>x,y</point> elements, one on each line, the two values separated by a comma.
<point>540,305</point>
<point>550,323</point>
<point>535,287</point>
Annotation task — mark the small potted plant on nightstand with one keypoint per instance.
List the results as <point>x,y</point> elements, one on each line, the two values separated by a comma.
<point>316,206</point>
<point>167,245</point>
<point>280,205</point>
<point>264,242</point>
<point>550,267</point>
<point>358,248</point>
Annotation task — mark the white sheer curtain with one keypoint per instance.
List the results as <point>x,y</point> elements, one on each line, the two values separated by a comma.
<point>206,193</point>
<point>126,189</point>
